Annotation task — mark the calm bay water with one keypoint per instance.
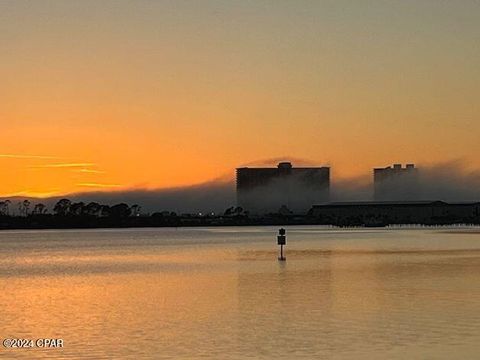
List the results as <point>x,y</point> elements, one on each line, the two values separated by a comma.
<point>220,293</point>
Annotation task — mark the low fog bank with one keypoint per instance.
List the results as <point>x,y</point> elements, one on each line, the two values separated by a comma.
<point>451,182</point>
<point>353,189</point>
<point>214,196</point>
<point>294,191</point>
<point>207,197</point>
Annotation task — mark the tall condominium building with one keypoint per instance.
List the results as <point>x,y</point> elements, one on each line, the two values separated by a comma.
<point>396,183</point>
<point>264,190</point>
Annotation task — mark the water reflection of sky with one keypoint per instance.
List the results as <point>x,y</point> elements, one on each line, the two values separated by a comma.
<point>359,295</point>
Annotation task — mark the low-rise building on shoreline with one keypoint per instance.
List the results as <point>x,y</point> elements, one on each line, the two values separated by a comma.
<point>390,212</point>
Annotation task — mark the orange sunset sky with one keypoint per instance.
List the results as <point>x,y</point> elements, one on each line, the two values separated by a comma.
<point>105,95</point>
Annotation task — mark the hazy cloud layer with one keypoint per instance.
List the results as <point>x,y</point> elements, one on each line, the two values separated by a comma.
<point>451,181</point>
<point>353,189</point>
<point>211,196</point>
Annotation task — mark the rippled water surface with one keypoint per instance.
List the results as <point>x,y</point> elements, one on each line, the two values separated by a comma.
<point>221,293</point>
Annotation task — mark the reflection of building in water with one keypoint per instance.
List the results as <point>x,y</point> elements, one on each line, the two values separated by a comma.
<point>261,190</point>
<point>396,183</point>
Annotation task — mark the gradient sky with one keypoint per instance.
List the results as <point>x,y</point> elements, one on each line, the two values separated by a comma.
<point>151,94</point>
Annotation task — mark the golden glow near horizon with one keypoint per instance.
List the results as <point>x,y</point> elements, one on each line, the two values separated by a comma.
<point>118,94</point>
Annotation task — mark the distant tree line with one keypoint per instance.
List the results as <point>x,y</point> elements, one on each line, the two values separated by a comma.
<point>66,207</point>
<point>68,214</point>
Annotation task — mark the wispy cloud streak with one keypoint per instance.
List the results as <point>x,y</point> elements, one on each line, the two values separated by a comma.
<point>63,165</point>
<point>89,171</point>
<point>24,156</point>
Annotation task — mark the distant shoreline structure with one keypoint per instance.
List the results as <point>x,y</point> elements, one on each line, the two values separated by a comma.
<point>348,214</point>
<point>262,190</point>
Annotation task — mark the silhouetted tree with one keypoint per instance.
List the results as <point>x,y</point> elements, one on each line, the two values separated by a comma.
<point>229,211</point>
<point>3,208</point>
<point>135,210</point>
<point>93,209</point>
<point>105,210</point>
<point>77,209</point>
<point>23,207</point>
<point>120,211</point>
<point>7,207</point>
<point>234,211</point>
<point>62,207</point>
<point>39,209</point>
<point>164,214</point>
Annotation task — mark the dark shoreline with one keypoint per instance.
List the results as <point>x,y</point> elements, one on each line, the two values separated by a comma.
<point>47,221</point>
